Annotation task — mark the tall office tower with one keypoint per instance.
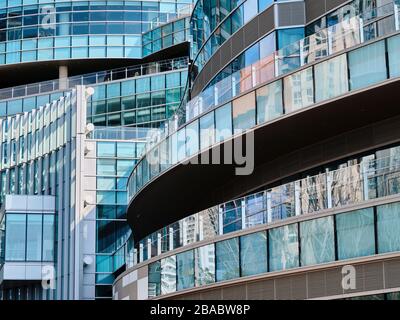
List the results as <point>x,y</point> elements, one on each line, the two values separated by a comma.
<point>82,86</point>
<point>278,175</point>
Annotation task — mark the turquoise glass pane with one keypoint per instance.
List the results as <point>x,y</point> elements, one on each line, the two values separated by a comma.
<point>283,248</point>
<point>185,270</point>
<point>367,65</point>
<point>388,225</point>
<point>105,149</point>
<point>269,102</point>
<point>205,265</point>
<point>227,259</point>
<point>317,241</point>
<point>253,254</point>
<point>355,234</point>
<point>394,57</point>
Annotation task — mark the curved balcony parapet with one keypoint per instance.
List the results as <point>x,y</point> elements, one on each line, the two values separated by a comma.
<point>327,42</point>
<point>352,185</point>
<point>288,95</point>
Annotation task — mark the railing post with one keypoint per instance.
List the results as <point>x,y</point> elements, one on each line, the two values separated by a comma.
<point>233,87</point>
<point>269,207</point>
<point>297,198</point>
<point>158,244</point>
<point>361,30</point>
<point>253,76</point>
<point>301,48</point>
<point>330,44</point>
<point>364,177</point>
<point>201,226</point>
<point>184,232</point>
<point>135,252</point>
<point>148,248</point>
<point>276,61</point>
<point>220,221</point>
<point>243,209</point>
<point>328,188</point>
<point>140,252</point>
<point>171,238</point>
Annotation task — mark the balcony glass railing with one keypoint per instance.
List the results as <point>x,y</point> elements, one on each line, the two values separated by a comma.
<point>370,179</point>
<point>93,78</point>
<point>362,67</point>
<point>349,33</point>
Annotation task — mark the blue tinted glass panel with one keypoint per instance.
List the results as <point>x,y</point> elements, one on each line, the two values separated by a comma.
<point>205,265</point>
<point>15,237</point>
<point>355,234</point>
<point>367,65</point>
<point>185,267</point>
<point>388,225</point>
<point>227,259</point>
<point>394,59</point>
<point>253,254</point>
<point>317,241</point>
<point>283,248</point>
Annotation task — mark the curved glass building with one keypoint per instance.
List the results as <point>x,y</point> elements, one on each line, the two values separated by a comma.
<point>282,156</point>
<point>83,84</point>
<point>207,150</point>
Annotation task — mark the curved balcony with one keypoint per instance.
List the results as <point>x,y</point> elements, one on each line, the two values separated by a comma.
<point>334,189</point>
<point>315,100</point>
<point>240,75</point>
<point>168,35</point>
<point>366,232</point>
<point>93,78</point>
<point>65,30</point>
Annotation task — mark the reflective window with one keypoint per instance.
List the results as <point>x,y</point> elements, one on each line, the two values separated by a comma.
<point>205,265</point>
<point>253,254</point>
<point>331,78</point>
<point>317,241</point>
<point>15,237</point>
<point>244,113</point>
<point>48,237</point>
<point>388,225</point>
<point>154,280</point>
<point>367,65</point>
<point>355,234</point>
<point>227,256</point>
<point>299,90</point>
<point>207,130</point>
<point>223,122</point>
<point>34,237</point>
<point>283,248</point>
<point>263,4</point>
<point>289,36</point>
<point>269,102</point>
<point>106,149</point>
<point>192,138</point>
<point>394,60</point>
<point>168,275</point>
<point>185,265</point>
<point>125,149</point>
